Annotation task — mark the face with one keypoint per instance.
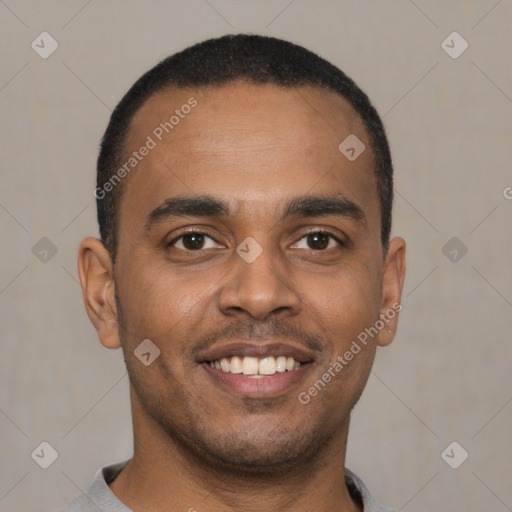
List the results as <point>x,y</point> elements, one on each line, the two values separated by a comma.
<point>248,241</point>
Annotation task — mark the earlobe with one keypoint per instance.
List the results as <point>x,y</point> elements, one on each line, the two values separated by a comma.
<point>98,289</point>
<point>392,285</point>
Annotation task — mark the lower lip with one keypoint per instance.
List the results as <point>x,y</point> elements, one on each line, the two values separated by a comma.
<point>260,387</point>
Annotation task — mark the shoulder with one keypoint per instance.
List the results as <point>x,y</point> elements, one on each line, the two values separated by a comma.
<point>80,504</point>
<point>356,486</point>
<point>98,497</point>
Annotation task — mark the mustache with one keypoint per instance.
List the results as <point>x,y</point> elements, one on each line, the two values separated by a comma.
<point>252,331</point>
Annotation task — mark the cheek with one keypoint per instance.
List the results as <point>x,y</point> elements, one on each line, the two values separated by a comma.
<point>345,301</point>
<point>343,309</point>
<point>159,304</point>
<point>141,297</point>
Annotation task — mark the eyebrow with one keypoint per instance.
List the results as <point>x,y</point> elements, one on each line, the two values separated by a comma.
<point>209,206</point>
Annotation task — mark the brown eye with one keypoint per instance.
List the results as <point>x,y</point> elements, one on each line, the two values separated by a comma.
<point>318,241</point>
<point>192,241</point>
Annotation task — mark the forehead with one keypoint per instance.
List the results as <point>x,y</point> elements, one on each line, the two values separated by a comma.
<point>292,113</point>
<point>251,144</point>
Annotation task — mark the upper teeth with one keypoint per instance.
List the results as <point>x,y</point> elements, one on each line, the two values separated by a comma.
<point>254,365</point>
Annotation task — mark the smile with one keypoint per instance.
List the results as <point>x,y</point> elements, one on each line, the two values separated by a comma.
<point>255,366</point>
<point>251,382</point>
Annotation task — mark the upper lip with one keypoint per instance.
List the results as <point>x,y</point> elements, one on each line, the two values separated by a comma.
<point>259,350</point>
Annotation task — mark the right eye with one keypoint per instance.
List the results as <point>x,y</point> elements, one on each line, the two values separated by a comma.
<point>191,241</point>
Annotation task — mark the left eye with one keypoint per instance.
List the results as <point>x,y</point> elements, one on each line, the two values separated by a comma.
<point>318,241</point>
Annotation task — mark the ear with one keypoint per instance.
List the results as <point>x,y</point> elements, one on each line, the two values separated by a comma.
<point>96,274</point>
<point>392,284</point>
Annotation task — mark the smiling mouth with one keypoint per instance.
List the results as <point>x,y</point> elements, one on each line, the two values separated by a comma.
<point>256,367</point>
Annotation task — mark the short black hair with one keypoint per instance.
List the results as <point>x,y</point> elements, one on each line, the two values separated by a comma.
<point>251,58</point>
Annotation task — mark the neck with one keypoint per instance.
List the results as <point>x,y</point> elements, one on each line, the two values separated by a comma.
<point>164,477</point>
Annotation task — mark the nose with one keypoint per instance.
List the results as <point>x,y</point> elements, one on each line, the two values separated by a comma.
<point>260,288</point>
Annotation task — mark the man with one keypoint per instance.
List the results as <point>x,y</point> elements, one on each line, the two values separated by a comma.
<point>245,267</point>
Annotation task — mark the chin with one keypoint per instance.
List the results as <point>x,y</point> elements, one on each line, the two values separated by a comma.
<point>255,454</point>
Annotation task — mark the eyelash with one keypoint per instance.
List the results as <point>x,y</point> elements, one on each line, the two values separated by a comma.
<point>201,232</point>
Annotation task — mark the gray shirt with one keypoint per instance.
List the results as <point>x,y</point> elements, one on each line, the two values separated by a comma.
<point>99,498</point>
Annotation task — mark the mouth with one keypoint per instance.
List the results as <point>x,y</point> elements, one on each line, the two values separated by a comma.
<point>254,367</point>
<point>257,371</point>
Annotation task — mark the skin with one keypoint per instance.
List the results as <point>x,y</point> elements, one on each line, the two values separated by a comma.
<point>256,147</point>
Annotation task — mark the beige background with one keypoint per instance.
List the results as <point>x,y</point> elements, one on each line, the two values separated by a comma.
<point>447,376</point>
